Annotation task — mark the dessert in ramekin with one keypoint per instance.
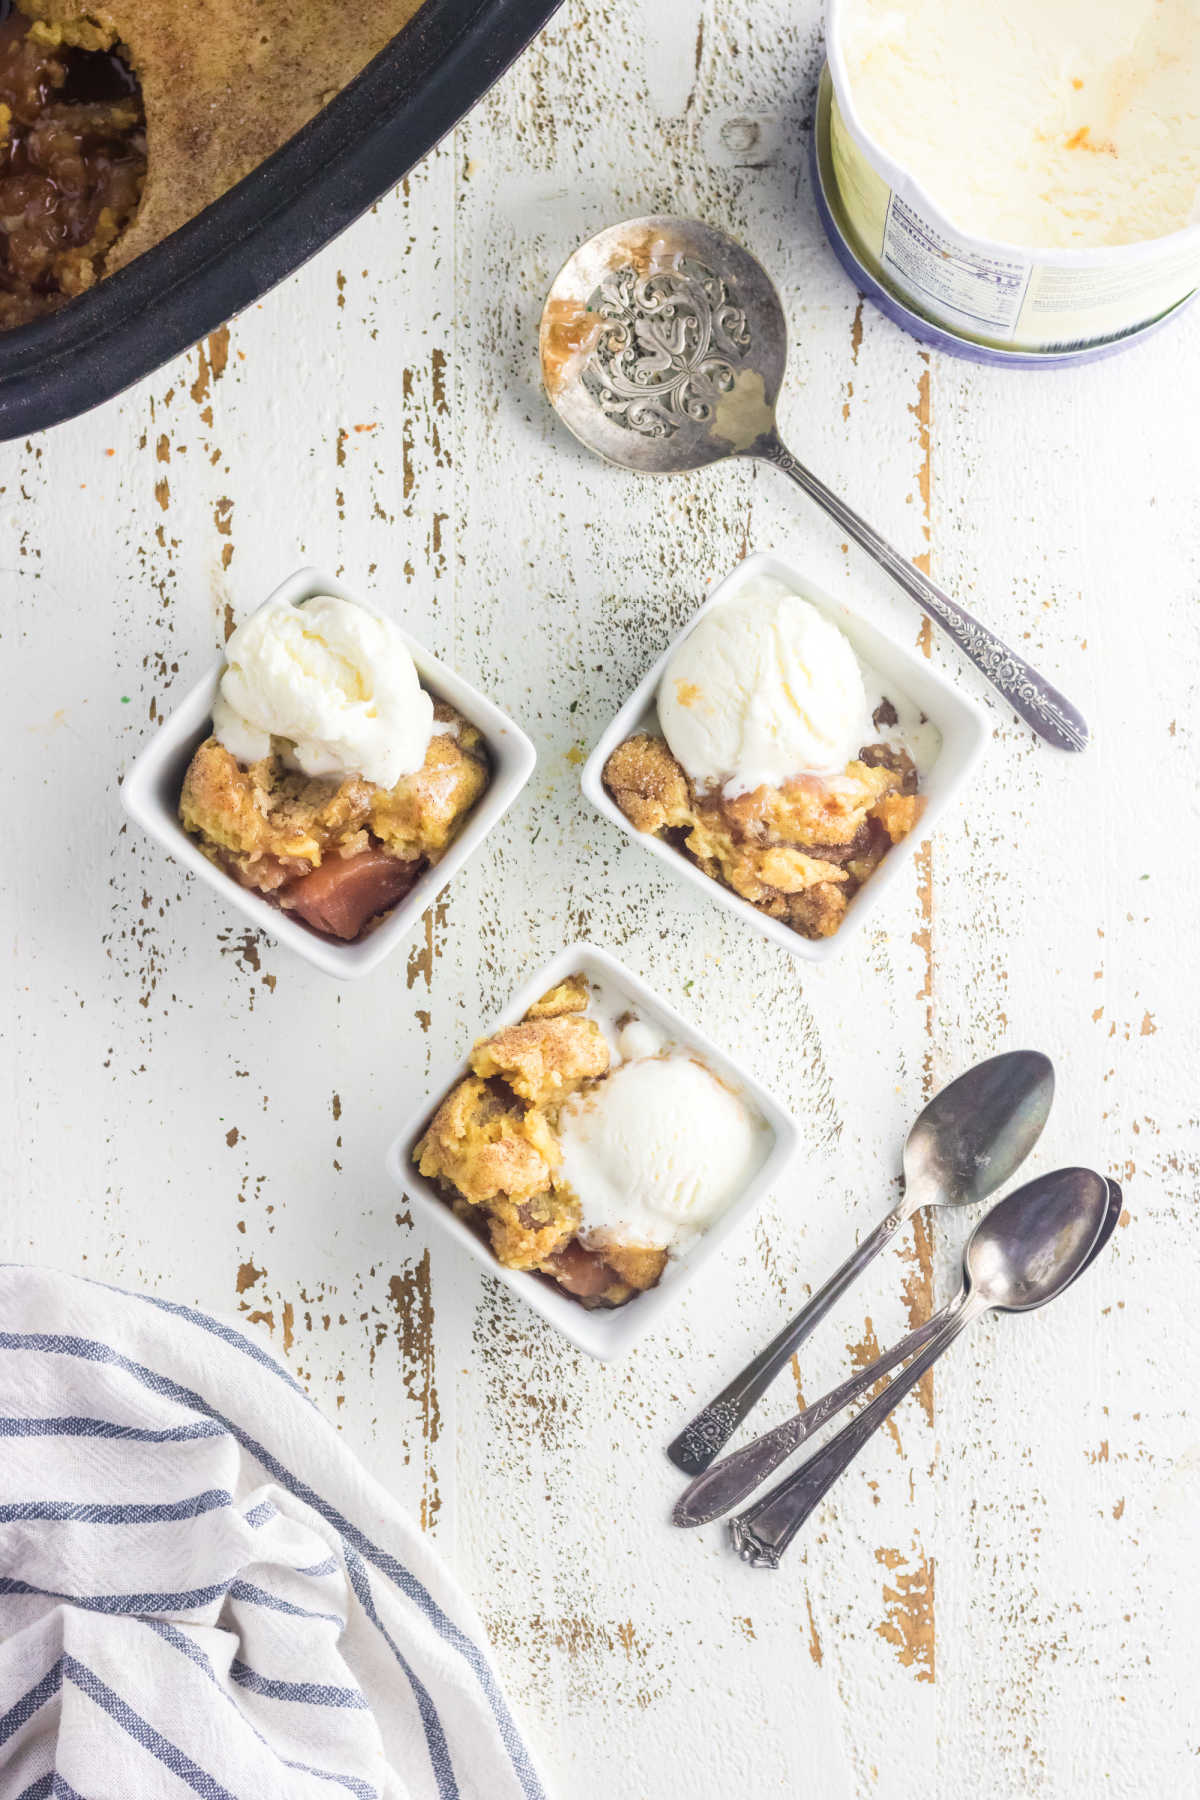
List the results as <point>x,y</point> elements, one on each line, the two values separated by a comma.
<point>330,775</point>
<point>332,779</point>
<point>783,755</point>
<point>593,1148</point>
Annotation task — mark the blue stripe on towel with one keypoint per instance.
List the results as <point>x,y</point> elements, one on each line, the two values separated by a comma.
<point>49,1787</point>
<point>363,1790</point>
<point>218,1328</point>
<point>307,1693</point>
<point>32,1701</point>
<point>143,1733</point>
<point>91,1350</point>
<point>403,1578</point>
<point>435,1737</point>
<point>256,1596</point>
<point>39,1789</point>
<point>124,1603</point>
<point>329,1566</point>
<point>106,1428</point>
<point>134,1512</point>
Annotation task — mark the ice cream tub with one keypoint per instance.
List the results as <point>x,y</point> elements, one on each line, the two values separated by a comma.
<point>1005,292</point>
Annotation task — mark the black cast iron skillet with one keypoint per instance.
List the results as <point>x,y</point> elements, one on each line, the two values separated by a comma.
<point>363,142</point>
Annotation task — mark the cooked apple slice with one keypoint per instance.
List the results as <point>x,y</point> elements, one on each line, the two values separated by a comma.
<point>345,892</point>
<point>581,1272</point>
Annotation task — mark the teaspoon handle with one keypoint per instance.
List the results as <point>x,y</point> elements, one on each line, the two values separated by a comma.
<point>762,1534</point>
<point>1050,714</point>
<point>738,1474</point>
<point>712,1427</point>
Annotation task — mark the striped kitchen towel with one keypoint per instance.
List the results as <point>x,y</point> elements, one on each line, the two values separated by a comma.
<point>201,1590</point>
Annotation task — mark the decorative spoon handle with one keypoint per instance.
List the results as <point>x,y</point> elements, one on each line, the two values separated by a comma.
<point>762,1534</point>
<point>702,1437</point>
<point>738,1474</point>
<point>1051,715</point>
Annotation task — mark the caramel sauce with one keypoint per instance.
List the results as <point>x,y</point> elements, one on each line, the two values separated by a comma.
<point>72,164</point>
<point>570,332</point>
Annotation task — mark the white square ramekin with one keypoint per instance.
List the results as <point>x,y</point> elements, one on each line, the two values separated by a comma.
<point>150,795</point>
<point>964,729</point>
<point>603,1334</point>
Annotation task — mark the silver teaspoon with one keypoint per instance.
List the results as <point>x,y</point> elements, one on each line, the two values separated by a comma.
<point>663,345</point>
<point>966,1143</point>
<point>1027,1251</point>
<point>738,1474</point>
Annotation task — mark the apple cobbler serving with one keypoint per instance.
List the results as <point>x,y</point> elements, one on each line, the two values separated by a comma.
<point>587,1148</point>
<point>332,780</point>
<point>780,768</point>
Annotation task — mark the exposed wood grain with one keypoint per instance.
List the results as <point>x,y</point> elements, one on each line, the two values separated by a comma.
<point>991,1599</point>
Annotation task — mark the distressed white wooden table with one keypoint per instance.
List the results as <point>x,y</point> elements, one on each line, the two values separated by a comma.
<point>996,1595</point>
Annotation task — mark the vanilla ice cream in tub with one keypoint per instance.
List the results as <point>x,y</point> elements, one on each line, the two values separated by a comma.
<point>1026,176</point>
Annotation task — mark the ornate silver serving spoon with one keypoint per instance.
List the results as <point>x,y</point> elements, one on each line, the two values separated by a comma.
<point>663,347</point>
<point>963,1145</point>
<point>738,1474</point>
<point>1026,1252</point>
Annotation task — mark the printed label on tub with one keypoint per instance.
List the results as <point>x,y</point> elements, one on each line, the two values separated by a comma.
<point>995,293</point>
<point>1081,305</point>
<point>960,285</point>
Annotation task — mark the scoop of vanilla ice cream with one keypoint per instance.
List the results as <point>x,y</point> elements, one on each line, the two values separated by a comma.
<point>657,1151</point>
<point>336,681</point>
<point>765,688</point>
